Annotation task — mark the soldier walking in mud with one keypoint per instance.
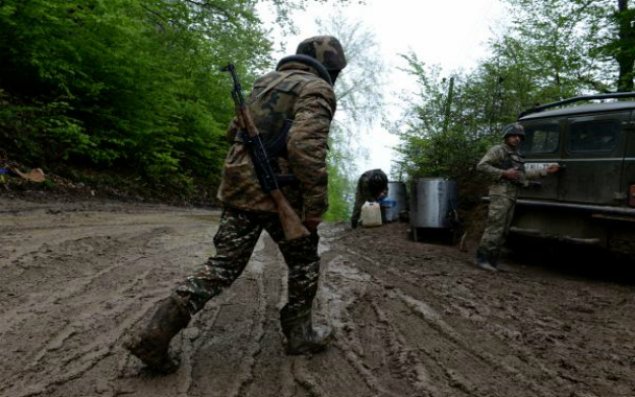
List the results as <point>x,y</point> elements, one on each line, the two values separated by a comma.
<point>371,186</point>
<point>505,167</point>
<point>292,108</point>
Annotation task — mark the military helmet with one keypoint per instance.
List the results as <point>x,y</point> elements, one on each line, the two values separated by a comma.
<point>326,49</point>
<point>514,129</point>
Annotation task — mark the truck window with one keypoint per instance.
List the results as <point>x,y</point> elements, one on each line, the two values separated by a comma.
<point>593,136</point>
<point>541,139</point>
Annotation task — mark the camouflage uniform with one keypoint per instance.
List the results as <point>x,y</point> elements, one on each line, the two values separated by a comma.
<point>235,240</point>
<point>292,108</point>
<point>364,192</point>
<point>502,195</point>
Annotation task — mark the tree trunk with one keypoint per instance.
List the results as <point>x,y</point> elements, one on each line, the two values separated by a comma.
<point>625,54</point>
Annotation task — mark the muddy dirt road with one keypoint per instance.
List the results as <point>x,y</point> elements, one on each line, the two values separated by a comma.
<point>410,319</point>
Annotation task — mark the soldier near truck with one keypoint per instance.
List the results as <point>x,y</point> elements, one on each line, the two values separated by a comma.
<point>591,203</point>
<point>505,167</point>
<point>292,107</point>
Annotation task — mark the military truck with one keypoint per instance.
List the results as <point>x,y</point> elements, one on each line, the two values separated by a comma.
<point>591,200</point>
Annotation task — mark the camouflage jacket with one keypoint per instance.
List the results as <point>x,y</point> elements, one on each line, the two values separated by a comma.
<point>293,98</point>
<point>363,189</point>
<point>500,158</point>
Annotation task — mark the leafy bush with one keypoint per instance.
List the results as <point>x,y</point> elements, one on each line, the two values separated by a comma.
<point>131,85</point>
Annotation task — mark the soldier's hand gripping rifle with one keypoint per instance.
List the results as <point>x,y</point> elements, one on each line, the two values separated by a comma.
<point>291,223</point>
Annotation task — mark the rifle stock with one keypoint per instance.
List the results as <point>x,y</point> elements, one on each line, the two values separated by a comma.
<point>289,219</point>
<point>291,224</point>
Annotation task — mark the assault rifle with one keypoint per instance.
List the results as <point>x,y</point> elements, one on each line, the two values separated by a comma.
<point>291,223</point>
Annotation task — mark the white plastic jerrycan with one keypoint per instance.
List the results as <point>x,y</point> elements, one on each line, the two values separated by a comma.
<point>371,214</point>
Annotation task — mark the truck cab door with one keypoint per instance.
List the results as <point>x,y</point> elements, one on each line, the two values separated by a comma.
<point>542,146</point>
<point>593,159</point>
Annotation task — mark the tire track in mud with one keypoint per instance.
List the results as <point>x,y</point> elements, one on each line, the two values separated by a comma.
<point>413,322</point>
<point>341,302</point>
<point>511,318</point>
<point>79,286</point>
<point>394,362</point>
<point>520,333</point>
<point>22,233</point>
<point>71,324</point>
<point>267,377</point>
<point>408,363</point>
<point>375,348</point>
<point>85,307</point>
<point>378,351</point>
<point>256,306</point>
<point>445,335</point>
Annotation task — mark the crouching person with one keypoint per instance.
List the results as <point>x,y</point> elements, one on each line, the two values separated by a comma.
<point>372,186</point>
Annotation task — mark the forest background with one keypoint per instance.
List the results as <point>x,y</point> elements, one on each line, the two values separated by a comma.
<point>127,97</point>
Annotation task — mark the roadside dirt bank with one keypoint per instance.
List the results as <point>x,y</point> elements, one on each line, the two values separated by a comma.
<point>410,319</point>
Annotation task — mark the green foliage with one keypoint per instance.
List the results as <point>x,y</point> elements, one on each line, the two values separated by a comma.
<point>127,85</point>
<point>553,50</point>
<point>340,194</point>
<point>447,127</point>
<point>588,44</point>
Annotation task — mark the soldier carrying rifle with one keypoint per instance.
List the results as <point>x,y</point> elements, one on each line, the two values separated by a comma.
<point>274,178</point>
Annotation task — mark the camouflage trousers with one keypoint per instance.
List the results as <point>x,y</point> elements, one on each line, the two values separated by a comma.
<point>235,241</point>
<point>499,218</point>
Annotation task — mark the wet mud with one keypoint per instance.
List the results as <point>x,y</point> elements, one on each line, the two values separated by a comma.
<point>409,318</point>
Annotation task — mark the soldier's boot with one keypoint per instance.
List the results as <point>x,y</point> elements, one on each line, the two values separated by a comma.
<point>302,337</point>
<point>493,260</point>
<point>483,261</point>
<point>151,344</point>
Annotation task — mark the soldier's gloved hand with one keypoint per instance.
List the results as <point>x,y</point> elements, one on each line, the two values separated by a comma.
<point>312,223</point>
<point>511,174</point>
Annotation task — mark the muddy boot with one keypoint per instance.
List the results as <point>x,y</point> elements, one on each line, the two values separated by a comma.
<point>493,260</point>
<point>482,261</point>
<point>151,344</point>
<point>302,337</point>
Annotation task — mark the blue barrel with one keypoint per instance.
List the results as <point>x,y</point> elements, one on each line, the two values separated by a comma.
<point>395,202</point>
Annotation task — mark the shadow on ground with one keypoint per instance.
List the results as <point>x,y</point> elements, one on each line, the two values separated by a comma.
<point>573,261</point>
